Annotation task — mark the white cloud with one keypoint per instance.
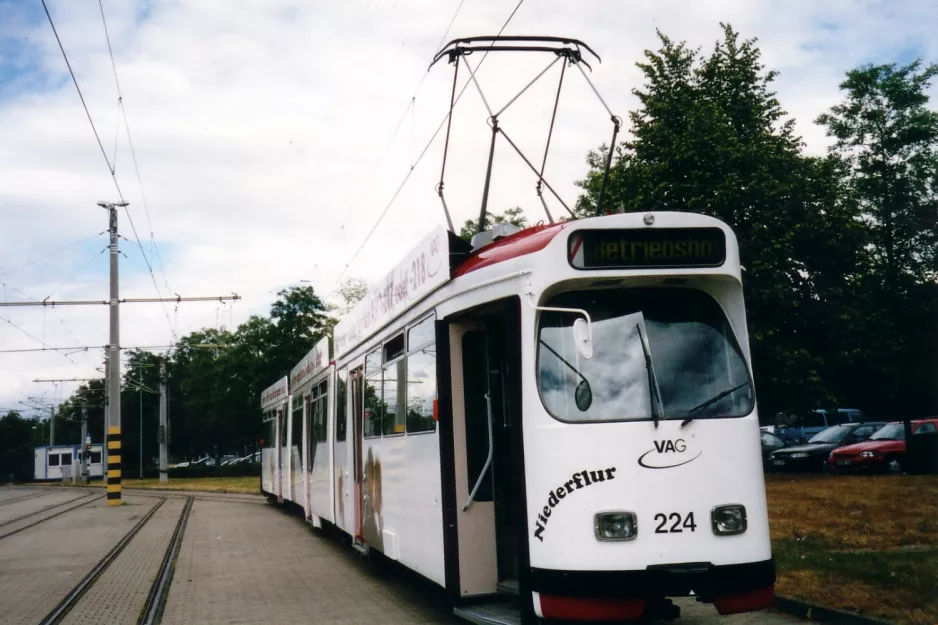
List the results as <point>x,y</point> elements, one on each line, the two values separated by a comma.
<point>257,124</point>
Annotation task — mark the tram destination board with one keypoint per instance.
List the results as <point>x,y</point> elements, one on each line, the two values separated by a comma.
<point>647,248</point>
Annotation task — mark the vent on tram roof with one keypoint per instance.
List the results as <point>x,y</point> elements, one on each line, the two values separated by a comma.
<point>498,231</point>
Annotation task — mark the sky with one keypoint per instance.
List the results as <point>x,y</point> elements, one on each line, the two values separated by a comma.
<point>271,137</point>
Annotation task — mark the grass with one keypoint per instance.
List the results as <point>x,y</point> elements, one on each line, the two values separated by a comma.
<point>242,485</point>
<point>864,544</point>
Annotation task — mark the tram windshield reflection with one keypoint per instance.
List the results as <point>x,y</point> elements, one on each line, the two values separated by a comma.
<point>689,357</point>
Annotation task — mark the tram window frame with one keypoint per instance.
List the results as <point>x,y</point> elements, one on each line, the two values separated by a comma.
<point>704,300</point>
<point>371,417</point>
<point>320,405</point>
<point>341,407</point>
<point>282,424</point>
<point>417,349</point>
<point>394,372</point>
<point>296,425</point>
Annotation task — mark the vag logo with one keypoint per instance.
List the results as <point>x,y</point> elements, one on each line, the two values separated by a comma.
<point>667,454</point>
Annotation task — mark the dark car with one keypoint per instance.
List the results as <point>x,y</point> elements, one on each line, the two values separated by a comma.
<point>812,457</point>
<point>770,442</point>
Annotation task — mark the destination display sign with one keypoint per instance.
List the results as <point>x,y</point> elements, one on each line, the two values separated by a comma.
<point>425,269</point>
<point>274,394</point>
<point>647,248</point>
<point>313,362</point>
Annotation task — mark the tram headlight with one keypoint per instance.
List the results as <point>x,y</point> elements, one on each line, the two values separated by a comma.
<point>615,525</point>
<point>728,520</point>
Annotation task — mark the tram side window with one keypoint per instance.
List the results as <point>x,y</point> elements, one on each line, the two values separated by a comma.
<point>320,403</point>
<point>374,406</point>
<point>297,422</point>
<point>394,401</point>
<point>270,431</point>
<point>341,422</point>
<point>282,419</point>
<point>421,388</point>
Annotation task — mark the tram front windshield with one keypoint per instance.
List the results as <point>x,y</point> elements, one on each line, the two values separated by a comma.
<point>657,353</point>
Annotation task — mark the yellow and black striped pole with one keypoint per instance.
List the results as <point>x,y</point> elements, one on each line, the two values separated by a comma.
<point>114,465</point>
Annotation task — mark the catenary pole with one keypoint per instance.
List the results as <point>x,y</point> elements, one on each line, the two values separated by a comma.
<point>113,434</point>
<point>162,431</point>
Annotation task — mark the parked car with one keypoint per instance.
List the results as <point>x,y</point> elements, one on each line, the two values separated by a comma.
<point>812,456</point>
<point>799,428</point>
<point>770,442</point>
<point>884,451</point>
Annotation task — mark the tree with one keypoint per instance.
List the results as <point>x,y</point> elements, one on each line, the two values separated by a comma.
<point>887,140</point>
<point>17,440</point>
<point>349,293</point>
<point>710,137</point>
<point>514,216</point>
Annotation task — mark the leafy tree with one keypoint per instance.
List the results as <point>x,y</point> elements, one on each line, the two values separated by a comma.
<point>514,216</point>
<point>710,137</point>
<point>17,439</point>
<point>887,140</point>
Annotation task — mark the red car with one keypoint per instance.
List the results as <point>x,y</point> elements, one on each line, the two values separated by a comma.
<point>884,451</point>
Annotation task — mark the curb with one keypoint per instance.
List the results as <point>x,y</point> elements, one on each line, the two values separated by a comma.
<point>820,614</point>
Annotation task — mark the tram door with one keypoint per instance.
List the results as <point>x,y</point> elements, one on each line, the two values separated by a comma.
<point>486,352</point>
<point>355,388</point>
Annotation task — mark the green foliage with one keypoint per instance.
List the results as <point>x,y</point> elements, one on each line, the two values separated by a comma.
<point>815,239</point>
<point>887,140</point>
<point>514,216</point>
<point>17,439</point>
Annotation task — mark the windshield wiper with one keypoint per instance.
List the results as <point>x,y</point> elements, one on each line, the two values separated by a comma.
<point>652,381</point>
<point>710,401</point>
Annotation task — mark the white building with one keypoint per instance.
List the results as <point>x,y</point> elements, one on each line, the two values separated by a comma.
<point>59,461</point>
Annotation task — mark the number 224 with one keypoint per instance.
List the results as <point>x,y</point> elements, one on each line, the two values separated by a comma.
<point>676,525</point>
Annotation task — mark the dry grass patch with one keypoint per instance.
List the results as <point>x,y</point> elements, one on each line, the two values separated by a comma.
<point>865,544</point>
<point>242,485</point>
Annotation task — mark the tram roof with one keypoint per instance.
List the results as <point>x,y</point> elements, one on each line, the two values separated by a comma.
<point>421,272</point>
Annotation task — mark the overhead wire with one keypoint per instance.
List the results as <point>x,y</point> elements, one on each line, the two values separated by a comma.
<point>422,153</point>
<point>109,164</point>
<point>155,248</point>
<point>411,108</point>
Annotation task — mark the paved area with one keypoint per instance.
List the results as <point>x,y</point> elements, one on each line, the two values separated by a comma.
<point>253,564</point>
<point>45,501</point>
<point>241,561</point>
<point>119,595</point>
<point>39,566</point>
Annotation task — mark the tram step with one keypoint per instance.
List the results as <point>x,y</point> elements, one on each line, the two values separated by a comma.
<point>508,586</point>
<point>499,613</point>
<point>360,548</point>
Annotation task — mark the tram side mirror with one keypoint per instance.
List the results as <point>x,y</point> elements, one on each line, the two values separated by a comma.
<point>583,337</point>
<point>583,395</point>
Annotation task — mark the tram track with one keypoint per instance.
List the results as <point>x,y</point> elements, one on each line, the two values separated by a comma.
<point>84,499</point>
<point>33,495</point>
<point>152,611</point>
<point>81,600</point>
<point>61,610</point>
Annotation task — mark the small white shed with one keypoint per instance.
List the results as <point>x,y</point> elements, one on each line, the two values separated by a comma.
<point>60,461</point>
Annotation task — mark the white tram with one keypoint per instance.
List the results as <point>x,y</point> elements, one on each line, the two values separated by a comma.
<point>564,416</point>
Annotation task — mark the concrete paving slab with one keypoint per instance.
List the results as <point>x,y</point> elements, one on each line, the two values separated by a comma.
<point>28,506</point>
<point>39,566</point>
<point>118,596</point>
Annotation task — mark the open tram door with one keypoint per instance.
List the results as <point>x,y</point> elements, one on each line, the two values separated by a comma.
<point>488,498</point>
